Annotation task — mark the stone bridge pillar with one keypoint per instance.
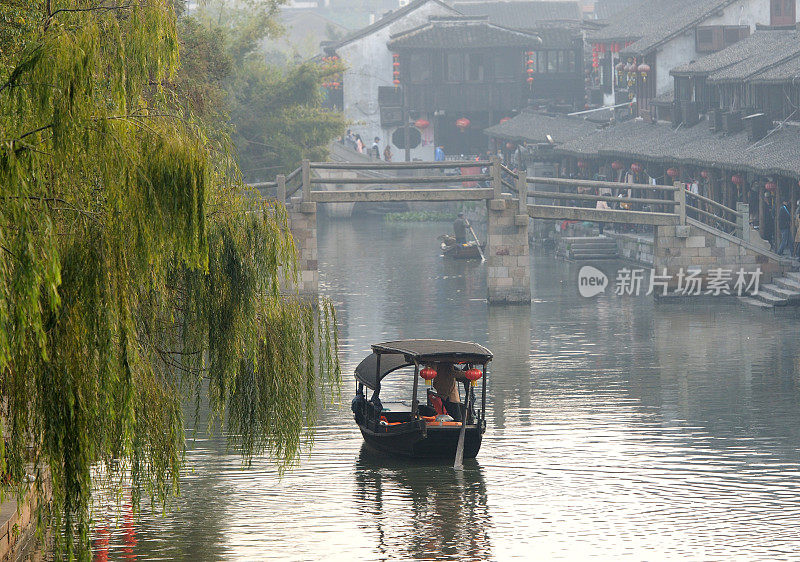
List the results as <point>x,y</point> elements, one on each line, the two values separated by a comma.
<point>303,224</point>
<point>508,274</point>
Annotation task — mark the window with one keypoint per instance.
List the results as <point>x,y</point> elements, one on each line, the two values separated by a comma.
<point>454,67</point>
<point>541,61</point>
<point>476,71</point>
<point>506,68</point>
<point>419,68</point>
<point>552,61</point>
<point>783,12</point>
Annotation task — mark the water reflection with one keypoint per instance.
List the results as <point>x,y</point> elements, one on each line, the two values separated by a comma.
<point>424,510</point>
<point>617,429</point>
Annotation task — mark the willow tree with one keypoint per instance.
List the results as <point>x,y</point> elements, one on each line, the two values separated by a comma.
<point>135,269</point>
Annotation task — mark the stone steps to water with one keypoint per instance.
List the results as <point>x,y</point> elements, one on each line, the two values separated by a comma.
<point>794,276</point>
<point>793,297</point>
<point>770,298</point>
<point>750,301</point>
<point>590,248</point>
<point>788,284</point>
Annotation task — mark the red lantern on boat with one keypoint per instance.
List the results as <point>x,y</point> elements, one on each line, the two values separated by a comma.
<point>771,186</point>
<point>428,374</point>
<point>704,174</point>
<point>462,123</point>
<point>422,123</point>
<point>473,375</point>
<point>672,172</point>
<point>616,165</point>
<point>737,179</point>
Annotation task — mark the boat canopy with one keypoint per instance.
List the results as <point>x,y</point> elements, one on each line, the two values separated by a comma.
<point>398,354</point>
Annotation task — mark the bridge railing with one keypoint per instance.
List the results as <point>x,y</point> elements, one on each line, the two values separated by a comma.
<point>640,203</point>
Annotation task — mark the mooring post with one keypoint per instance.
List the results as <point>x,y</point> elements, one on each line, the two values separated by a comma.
<point>497,177</point>
<point>680,199</point>
<point>281,195</point>
<point>306,179</point>
<point>743,221</point>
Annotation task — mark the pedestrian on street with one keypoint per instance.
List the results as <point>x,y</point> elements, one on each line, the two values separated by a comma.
<point>376,149</point>
<point>387,153</point>
<point>784,225</point>
<point>438,154</point>
<point>359,144</point>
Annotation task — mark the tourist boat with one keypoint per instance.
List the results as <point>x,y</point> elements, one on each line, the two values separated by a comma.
<point>452,249</point>
<point>430,427</point>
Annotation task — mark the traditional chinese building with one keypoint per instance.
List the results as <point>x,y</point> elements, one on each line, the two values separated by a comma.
<point>459,75</point>
<point>633,55</point>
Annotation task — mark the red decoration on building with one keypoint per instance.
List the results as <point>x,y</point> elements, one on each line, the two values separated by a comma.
<point>704,174</point>
<point>737,179</point>
<point>771,186</point>
<point>462,123</point>
<point>673,173</point>
<point>616,165</point>
<point>510,145</point>
<point>583,164</point>
<point>636,168</point>
<point>422,123</point>
<point>505,119</point>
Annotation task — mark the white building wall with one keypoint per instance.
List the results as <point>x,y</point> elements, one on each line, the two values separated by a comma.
<point>369,65</point>
<point>681,50</point>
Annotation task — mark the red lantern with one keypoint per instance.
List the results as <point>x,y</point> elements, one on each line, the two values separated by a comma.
<point>737,179</point>
<point>620,67</point>
<point>505,119</point>
<point>704,174</point>
<point>644,69</point>
<point>428,374</point>
<point>462,123</point>
<point>473,375</point>
<point>510,145</point>
<point>421,123</point>
<point>396,73</point>
<point>771,186</point>
<point>583,164</point>
<point>673,173</point>
<point>636,168</point>
<point>529,79</point>
<point>616,165</point>
<point>396,82</point>
<point>396,63</point>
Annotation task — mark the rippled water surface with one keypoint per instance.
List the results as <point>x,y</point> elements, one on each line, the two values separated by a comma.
<point>617,428</point>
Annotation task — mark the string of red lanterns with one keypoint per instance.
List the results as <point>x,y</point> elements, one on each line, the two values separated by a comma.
<point>396,70</point>
<point>529,64</point>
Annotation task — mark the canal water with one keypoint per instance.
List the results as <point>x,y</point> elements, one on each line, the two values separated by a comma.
<point>617,429</point>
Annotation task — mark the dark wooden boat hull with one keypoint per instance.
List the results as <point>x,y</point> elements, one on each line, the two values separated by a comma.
<point>432,442</point>
<point>460,252</point>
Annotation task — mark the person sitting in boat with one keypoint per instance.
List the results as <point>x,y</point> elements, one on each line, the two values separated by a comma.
<point>446,388</point>
<point>460,227</point>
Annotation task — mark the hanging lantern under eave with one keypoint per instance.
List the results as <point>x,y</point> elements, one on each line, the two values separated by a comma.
<point>462,123</point>
<point>704,174</point>
<point>422,123</point>
<point>771,186</point>
<point>510,145</point>
<point>672,173</point>
<point>616,165</point>
<point>396,83</point>
<point>737,179</point>
<point>583,164</point>
<point>529,80</point>
<point>636,168</point>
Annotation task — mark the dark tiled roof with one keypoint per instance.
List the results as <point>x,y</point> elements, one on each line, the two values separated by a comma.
<point>650,23</point>
<point>788,71</point>
<point>456,32</point>
<point>558,37</point>
<point>607,9</point>
<point>758,53</point>
<point>521,14</point>
<point>389,18</point>
<point>777,154</point>
<point>534,127</point>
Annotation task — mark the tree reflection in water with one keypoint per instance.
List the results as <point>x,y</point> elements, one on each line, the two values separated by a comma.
<point>424,509</point>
